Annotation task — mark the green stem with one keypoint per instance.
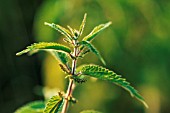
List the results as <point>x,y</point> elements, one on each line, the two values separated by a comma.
<point>71,82</point>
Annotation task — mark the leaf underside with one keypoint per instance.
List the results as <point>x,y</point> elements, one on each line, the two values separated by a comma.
<point>61,56</point>
<point>45,46</point>
<point>105,74</point>
<point>54,105</point>
<point>96,30</point>
<point>93,49</point>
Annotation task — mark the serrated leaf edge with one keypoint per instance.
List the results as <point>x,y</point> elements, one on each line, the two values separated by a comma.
<point>109,75</point>
<point>44,46</point>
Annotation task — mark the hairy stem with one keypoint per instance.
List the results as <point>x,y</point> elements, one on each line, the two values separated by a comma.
<point>69,92</point>
<point>71,82</point>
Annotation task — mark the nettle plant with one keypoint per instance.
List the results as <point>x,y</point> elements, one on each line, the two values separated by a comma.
<point>60,102</point>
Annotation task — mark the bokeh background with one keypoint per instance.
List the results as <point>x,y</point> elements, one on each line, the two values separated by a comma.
<point>137,46</point>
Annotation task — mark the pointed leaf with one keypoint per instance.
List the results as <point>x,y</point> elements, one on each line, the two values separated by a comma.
<point>54,104</point>
<point>32,107</point>
<point>61,29</point>
<point>71,30</point>
<point>43,46</point>
<point>90,111</point>
<point>93,49</point>
<point>105,74</point>
<point>84,53</point>
<point>96,30</point>
<point>82,24</point>
<point>62,57</point>
<point>74,32</point>
<point>65,69</point>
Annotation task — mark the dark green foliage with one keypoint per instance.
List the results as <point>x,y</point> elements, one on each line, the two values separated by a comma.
<point>54,105</point>
<point>93,49</point>
<point>32,107</point>
<point>43,46</point>
<point>105,74</point>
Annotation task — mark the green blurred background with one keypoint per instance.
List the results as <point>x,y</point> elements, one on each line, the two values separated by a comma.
<point>137,46</point>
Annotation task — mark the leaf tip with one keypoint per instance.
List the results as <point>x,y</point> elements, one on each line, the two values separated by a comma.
<point>109,23</point>
<point>22,52</point>
<point>104,63</point>
<point>85,15</point>
<point>46,23</point>
<point>145,104</point>
<point>142,100</point>
<point>18,54</point>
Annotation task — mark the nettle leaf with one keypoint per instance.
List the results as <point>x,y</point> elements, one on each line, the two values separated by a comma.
<point>61,29</point>
<point>32,107</point>
<point>74,33</point>
<point>83,53</point>
<point>93,49</point>
<point>90,111</point>
<point>71,30</point>
<point>54,104</point>
<point>82,24</point>
<point>62,57</point>
<point>65,69</point>
<point>96,30</point>
<point>44,46</point>
<point>105,74</point>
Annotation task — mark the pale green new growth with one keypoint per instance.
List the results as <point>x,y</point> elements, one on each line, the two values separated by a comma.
<point>82,24</point>
<point>96,30</point>
<point>63,53</point>
<point>71,30</point>
<point>105,74</point>
<point>44,46</point>
<point>54,104</point>
<point>61,29</point>
<point>93,49</point>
